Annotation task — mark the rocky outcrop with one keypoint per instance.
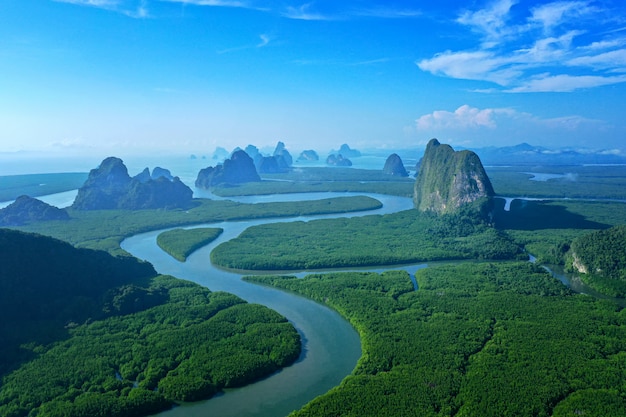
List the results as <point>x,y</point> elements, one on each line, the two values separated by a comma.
<point>448,179</point>
<point>338,161</point>
<point>308,155</point>
<point>283,157</point>
<point>110,187</point>
<point>238,169</point>
<point>348,152</point>
<point>26,210</point>
<point>394,166</point>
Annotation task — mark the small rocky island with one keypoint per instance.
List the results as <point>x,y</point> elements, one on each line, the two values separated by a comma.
<point>448,179</point>
<point>238,169</point>
<point>338,161</point>
<point>394,166</point>
<point>110,187</point>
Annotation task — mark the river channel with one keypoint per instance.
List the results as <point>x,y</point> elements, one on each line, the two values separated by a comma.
<point>331,347</point>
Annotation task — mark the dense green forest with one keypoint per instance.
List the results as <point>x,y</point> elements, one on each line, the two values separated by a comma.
<point>180,243</point>
<point>476,339</point>
<point>105,229</point>
<point>88,334</point>
<point>406,237</point>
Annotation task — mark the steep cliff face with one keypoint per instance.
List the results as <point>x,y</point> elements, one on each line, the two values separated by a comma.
<point>110,187</point>
<point>448,179</point>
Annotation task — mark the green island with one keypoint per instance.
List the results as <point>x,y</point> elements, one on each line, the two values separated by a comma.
<point>400,238</point>
<point>126,342</point>
<point>180,243</point>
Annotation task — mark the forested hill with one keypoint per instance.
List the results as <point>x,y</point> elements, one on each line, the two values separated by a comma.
<point>87,334</point>
<point>601,256</point>
<point>45,278</point>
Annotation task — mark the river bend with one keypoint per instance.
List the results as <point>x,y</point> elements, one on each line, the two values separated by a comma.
<point>330,348</point>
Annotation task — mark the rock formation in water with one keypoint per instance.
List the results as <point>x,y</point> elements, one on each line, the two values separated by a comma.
<point>308,155</point>
<point>110,187</point>
<point>448,179</point>
<point>348,152</point>
<point>394,166</point>
<point>283,157</point>
<point>338,161</point>
<point>238,169</point>
<point>26,209</point>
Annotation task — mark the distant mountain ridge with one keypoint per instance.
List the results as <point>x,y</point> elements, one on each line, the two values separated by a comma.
<point>527,154</point>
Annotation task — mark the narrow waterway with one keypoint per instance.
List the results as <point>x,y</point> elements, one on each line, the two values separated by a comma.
<point>331,347</point>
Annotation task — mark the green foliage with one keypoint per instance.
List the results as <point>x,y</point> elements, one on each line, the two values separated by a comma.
<point>88,334</point>
<point>34,185</point>
<point>180,243</point>
<point>105,229</point>
<point>188,348</point>
<point>400,238</point>
<point>479,339</point>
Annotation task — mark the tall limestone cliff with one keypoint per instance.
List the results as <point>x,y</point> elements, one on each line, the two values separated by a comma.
<point>110,187</point>
<point>448,179</point>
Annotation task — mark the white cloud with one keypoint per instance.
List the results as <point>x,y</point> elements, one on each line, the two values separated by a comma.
<point>94,3</point>
<point>553,14</point>
<point>135,8</point>
<point>388,13</point>
<point>465,117</point>
<point>564,83</point>
<point>555,48</point>
<point>304,13</point>
<point>614,60</point>
<point>214,3</point>
<point>265,40</point>
<point>491,21</point>
<point>471,65</point>
<point>471,122</point>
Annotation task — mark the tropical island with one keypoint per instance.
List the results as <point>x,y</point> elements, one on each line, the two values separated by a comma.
<point>458,345</point>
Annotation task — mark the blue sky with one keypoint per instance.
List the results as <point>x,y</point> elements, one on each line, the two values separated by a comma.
<point>137,76</point>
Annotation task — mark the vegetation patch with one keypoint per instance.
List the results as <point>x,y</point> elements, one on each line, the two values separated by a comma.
<point>476,339</point>
<point>600,257</point>
<point>406,237</point>
<point>88,334</point>
<point>180,243</point>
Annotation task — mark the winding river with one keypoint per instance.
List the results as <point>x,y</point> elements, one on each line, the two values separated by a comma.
<point>331,347</point>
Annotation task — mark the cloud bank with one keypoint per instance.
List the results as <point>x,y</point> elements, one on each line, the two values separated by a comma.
<point>559,46</point>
